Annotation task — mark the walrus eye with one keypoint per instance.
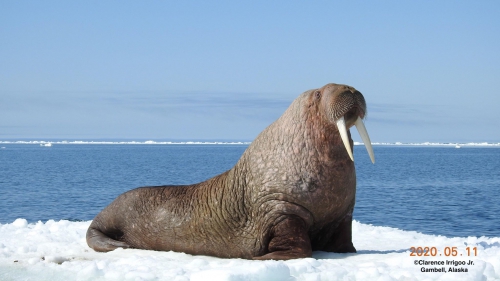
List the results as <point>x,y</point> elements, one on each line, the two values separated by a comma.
<point>317,94</point>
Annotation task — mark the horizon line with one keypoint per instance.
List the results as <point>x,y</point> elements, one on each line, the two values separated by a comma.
<point>228,142</point>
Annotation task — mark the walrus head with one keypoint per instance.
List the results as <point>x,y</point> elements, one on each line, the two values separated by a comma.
<point>346,107</point>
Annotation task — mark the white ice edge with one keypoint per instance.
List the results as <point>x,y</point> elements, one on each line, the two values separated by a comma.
<point>451,144</point>
<point>128,142</point>
<point>150,142</point>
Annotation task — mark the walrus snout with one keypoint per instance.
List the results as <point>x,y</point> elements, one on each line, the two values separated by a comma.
<point>344,101</point>
<point>346,107</point>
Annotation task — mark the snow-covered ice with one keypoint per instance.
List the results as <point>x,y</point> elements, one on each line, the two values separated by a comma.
<point>56,250</point>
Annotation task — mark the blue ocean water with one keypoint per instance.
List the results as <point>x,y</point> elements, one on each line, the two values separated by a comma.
<point>434,190</point>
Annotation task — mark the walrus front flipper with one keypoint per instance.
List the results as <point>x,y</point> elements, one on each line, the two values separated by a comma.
<point>341,241</point>
<point>101,242</point>
<point>289,240</point>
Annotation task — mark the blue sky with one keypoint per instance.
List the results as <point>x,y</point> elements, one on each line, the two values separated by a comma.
<point>429,70</point>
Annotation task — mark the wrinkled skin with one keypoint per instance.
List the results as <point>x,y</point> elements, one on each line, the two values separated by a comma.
<point>292,192</point>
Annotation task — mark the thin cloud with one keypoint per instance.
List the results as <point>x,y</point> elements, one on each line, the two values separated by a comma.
<point>225,105</point>
<point>402,108</point>
<point>225,100</point>
<point>408,115</point>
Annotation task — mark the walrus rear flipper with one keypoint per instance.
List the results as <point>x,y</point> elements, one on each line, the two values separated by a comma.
<point>101,242</point>
<point>289,240</point>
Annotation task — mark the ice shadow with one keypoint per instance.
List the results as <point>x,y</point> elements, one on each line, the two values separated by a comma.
<point>487,245</point>
<point>327,255</point>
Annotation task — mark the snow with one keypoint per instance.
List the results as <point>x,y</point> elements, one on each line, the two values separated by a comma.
<point>56,250</point>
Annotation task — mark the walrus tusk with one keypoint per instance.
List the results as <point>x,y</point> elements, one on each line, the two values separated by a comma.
<point>360,126</point>
<point>343,134</point>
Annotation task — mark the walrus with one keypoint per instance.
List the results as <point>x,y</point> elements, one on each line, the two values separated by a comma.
<point>292,192</point>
